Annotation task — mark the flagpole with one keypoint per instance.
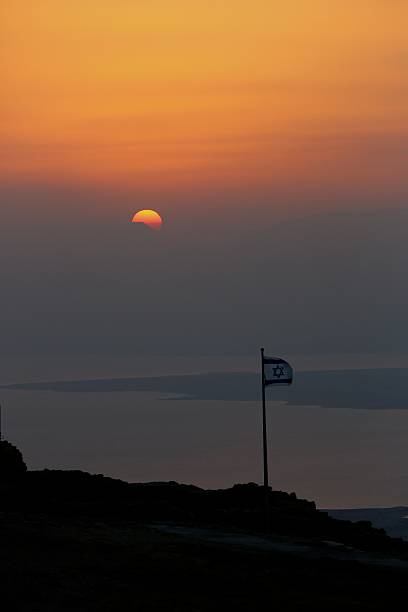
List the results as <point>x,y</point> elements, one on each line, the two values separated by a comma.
<point>264,435</point>
<point>265,446</point>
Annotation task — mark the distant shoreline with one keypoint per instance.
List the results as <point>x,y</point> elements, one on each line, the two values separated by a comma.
<point>378,388</point>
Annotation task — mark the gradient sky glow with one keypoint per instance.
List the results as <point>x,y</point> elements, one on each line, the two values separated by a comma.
<point>169,95</point>
<point>273,139</point>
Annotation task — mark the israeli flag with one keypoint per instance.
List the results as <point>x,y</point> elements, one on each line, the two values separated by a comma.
<point>277,371</point>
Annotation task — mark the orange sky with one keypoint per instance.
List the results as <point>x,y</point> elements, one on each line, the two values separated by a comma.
<point>169,93</point>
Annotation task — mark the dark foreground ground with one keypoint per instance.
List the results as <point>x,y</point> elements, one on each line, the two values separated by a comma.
<point>70,541</point>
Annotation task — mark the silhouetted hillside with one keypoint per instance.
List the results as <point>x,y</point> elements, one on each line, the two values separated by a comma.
<point>72,541</point>
<point>242,507</point>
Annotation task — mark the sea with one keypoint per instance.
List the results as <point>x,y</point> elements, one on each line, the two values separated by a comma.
<point>340,457</point>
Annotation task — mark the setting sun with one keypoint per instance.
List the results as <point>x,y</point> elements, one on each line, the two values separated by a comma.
<point>148,217</point>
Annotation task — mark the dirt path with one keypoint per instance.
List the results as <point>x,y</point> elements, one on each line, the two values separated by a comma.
<point>281,544</point>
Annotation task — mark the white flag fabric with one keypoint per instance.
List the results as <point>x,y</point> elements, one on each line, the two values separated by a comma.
<point>277,371</point>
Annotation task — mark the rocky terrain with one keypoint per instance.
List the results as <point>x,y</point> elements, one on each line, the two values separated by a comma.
<point>75,541</point>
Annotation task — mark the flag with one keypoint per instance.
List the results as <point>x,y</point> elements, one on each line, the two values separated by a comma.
<point>277,371</point>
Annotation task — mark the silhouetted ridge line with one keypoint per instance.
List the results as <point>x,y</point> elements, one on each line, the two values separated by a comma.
<point>75,494</point>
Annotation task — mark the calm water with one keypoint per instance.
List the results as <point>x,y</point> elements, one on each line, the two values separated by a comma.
<point>339,457</point>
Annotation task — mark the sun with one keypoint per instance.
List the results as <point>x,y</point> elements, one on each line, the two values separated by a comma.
<point>150,218</point>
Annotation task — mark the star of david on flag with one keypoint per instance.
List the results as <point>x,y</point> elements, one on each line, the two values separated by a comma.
<point>277,371</point>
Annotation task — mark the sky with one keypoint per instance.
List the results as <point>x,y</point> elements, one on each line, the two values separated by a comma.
<point>163,96</point>
<point>272,139</point>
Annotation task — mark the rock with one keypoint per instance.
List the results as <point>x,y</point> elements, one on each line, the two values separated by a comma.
<point>12,466</point>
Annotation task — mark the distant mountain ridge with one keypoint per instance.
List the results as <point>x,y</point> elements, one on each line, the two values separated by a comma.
<point>379,388</point>
<point>393,520</point>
